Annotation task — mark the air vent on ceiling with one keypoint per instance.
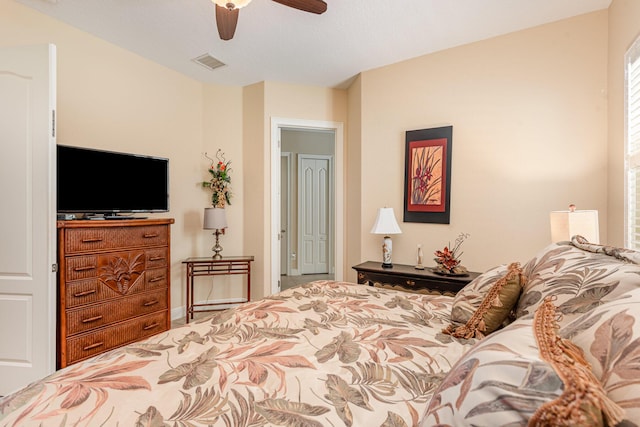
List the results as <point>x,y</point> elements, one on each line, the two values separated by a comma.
<point>208,61</point>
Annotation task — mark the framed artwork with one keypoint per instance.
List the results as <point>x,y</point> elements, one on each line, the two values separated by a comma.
<point>427,182</point>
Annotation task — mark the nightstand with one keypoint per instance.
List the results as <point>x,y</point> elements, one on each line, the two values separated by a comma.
<point>407,278</point>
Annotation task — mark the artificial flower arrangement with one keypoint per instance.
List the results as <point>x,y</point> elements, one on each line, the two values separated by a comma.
<point>448,260</point>
<point>220,180</point>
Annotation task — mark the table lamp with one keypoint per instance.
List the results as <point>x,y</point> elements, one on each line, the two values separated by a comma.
<point>386,224</point>
<point>215,219</point>
<point>566,224</point>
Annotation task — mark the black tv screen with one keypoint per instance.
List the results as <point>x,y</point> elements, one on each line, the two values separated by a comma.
<point>93,181</point>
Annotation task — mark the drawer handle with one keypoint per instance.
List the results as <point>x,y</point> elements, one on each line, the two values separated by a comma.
<point>411,282</point>
<point>360,275</point>
<point>92,346</point>
<point>92,240</point>
<point>85,268</point>
<point>156,279</point>
<point>150,235</point>
<point>91,319</point>
<point>151,326</point>
<point>156,258</point>
<point>150,303</point>
<point>85,293</point>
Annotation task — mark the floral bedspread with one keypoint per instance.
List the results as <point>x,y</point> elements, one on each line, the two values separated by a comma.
<point>322,354</point>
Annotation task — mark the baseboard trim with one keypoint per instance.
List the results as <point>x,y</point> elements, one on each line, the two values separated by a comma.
<point>180,312</point>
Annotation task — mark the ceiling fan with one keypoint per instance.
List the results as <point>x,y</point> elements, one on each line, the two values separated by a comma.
<point>227,12</point>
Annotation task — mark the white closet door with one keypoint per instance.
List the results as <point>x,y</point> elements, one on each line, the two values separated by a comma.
<point>27,248</point>
<point>314,199</point>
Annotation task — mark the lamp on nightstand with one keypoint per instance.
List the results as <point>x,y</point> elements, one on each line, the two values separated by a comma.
<point>386,224</point>
<point>566,224</point>
<point>215,219</point>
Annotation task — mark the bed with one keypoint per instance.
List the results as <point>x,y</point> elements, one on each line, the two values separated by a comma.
<point>554,341</point>
<point>324,353</point>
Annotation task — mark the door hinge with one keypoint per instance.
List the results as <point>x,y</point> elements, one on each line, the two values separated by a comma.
<point>54,268</point>
<point>53,123</point>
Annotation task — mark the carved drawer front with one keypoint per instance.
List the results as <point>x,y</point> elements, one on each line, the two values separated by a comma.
<point>122,271</point>
<point>94,239</point>
<point>156,279</point>
<point>156,257</point>
<point>94,316</point>
<point>86,345</point>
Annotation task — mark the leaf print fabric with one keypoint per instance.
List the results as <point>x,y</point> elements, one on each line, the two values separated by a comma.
<point>340,354</point>
<point>325,353</point>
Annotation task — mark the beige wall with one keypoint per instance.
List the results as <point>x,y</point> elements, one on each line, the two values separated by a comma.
<point>624,28</point>
<point>529,117</point>
<point>110,98</point>
<point>279,100</point>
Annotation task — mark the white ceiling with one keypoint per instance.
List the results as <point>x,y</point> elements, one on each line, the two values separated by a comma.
<point>278,43</point>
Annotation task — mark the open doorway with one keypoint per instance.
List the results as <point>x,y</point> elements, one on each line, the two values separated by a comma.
<point>307,199</point>
<point>308,157</point>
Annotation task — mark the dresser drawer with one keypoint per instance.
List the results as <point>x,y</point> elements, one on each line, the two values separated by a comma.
<point>89,344</point>
<point>156,257</point>
<point>81,240</point>
<point>81,267</point>
<point>81,292</point>
<point>156,279</point>
<point>97,315</point>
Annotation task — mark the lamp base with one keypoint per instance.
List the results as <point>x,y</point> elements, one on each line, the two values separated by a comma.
<point>385,265</point>
<point>217,248</point>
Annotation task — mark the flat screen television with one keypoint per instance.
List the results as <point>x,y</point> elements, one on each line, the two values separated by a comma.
<point>91,181</point>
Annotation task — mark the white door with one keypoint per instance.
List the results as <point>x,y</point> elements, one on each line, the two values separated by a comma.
<point>314,183</point>
<point>28,244</point>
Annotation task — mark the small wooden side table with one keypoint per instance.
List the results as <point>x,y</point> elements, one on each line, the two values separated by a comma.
<point>208,266</point>
<point>408,278</point>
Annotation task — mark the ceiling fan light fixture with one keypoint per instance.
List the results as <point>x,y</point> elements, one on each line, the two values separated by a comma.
<point>232,4</point>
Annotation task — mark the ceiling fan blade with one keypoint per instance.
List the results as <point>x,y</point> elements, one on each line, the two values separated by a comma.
<point>313,6</point>
<point>227,20</point>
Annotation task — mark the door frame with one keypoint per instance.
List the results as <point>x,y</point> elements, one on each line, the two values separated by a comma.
<point>277,124</point>
<point>287,214</point>
<point>301,253</point>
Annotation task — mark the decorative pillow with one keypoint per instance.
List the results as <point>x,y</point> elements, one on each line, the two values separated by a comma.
<point>580,280</point>
<point>511,377</point>
<point>468,299</point>
<point>609,335</point>
<point>494,308</point>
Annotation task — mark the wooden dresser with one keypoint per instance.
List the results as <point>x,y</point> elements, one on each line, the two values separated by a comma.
<point>113,284</point>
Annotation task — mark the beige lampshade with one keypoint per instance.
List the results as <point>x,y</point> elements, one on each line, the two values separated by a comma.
<point>214,219</point>
<point>566,224</point>
<point>385,223</point>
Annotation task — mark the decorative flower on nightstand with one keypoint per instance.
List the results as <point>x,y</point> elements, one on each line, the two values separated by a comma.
<point>448,260</point>
<point>220,180</point>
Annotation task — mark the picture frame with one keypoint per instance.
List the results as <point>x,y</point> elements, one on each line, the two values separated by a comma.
<point>427,182</point>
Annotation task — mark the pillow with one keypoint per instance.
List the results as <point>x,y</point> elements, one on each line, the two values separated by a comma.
<point>494,308</point>
<point>468,299</point>
<point>522,375</point>
<point>609,335</point>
